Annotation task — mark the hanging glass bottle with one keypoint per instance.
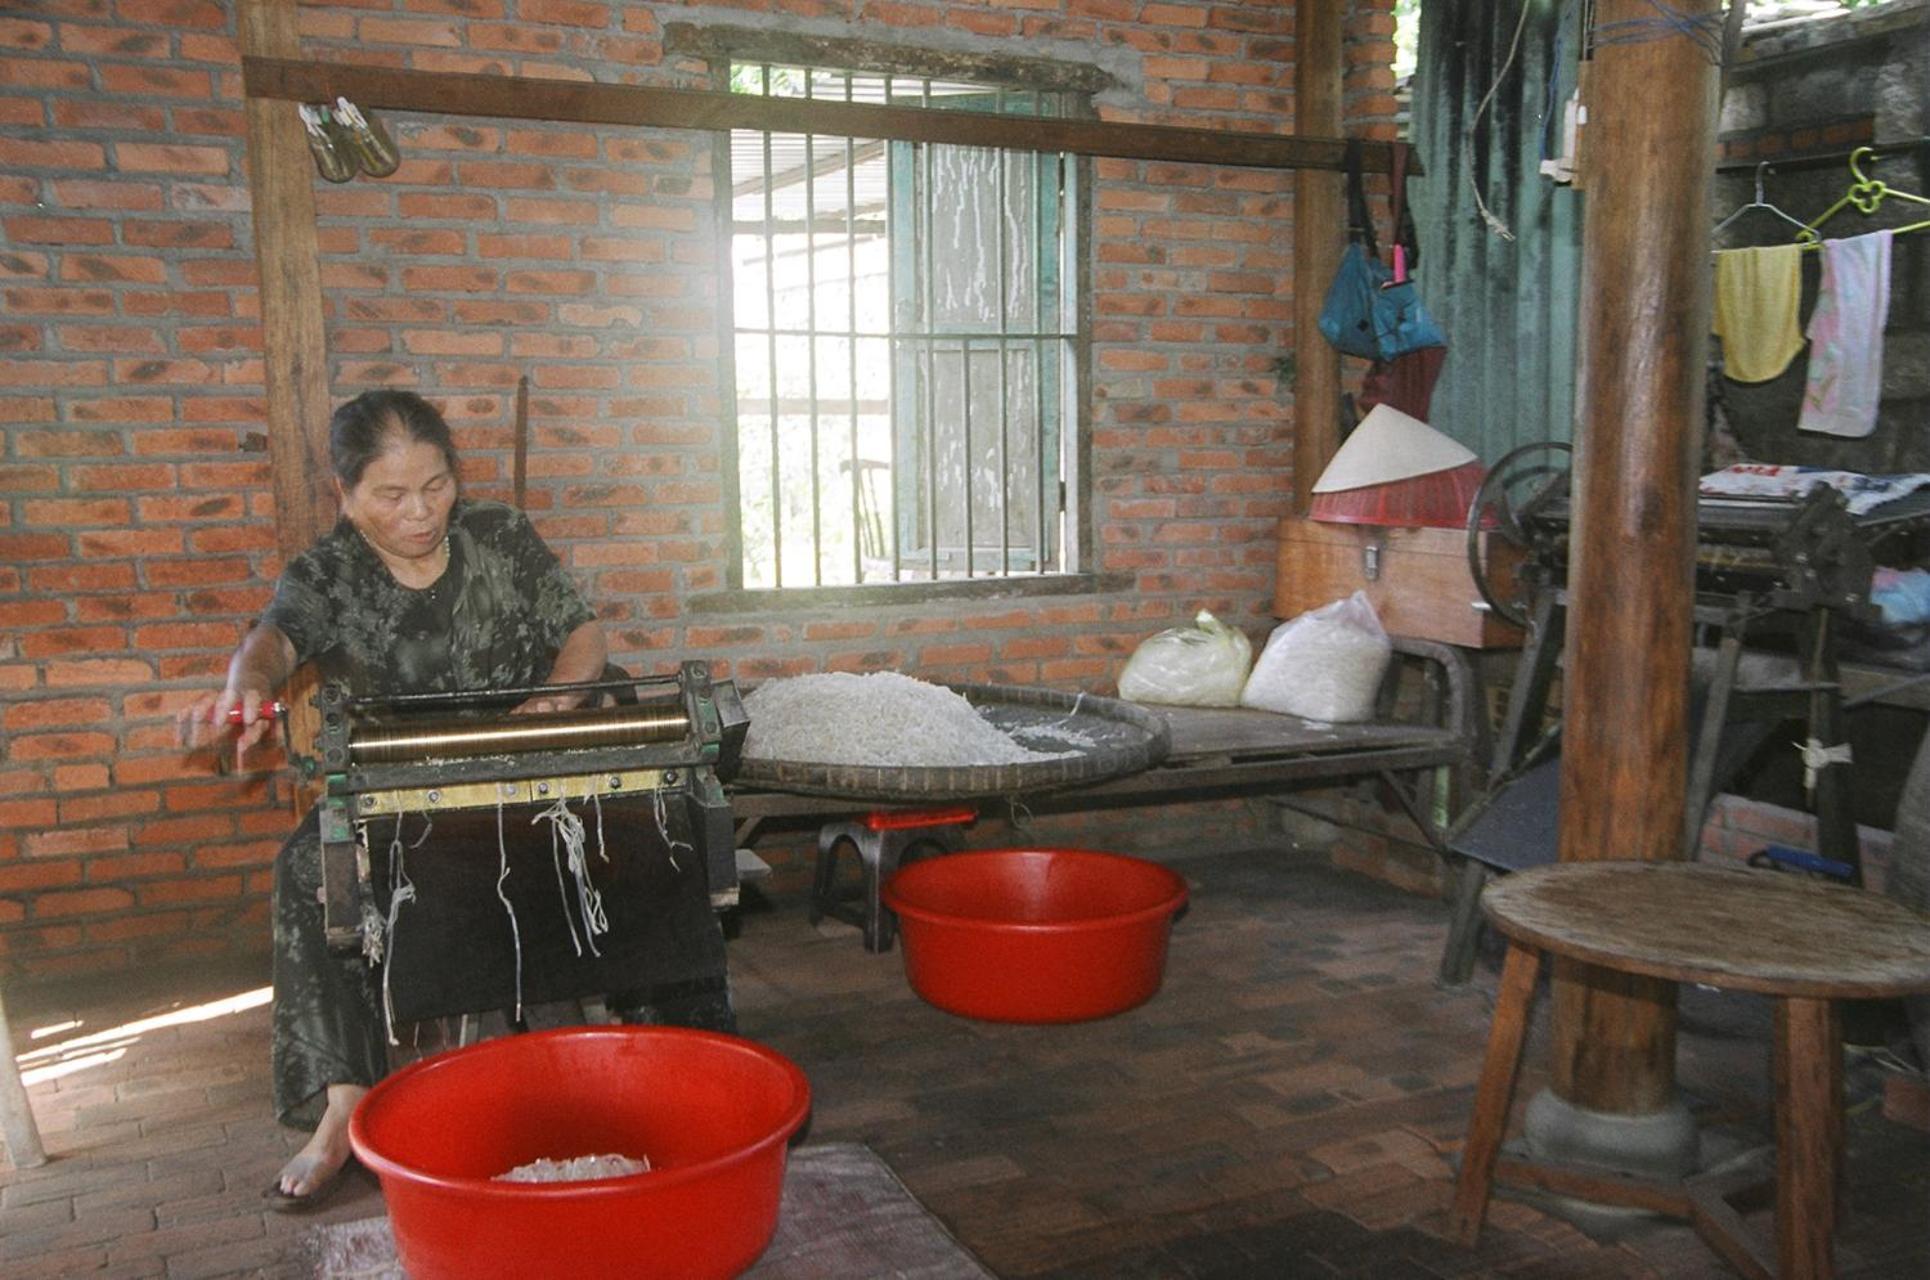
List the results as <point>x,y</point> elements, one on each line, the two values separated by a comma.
<point>328,144</point>
<point>374,150</point>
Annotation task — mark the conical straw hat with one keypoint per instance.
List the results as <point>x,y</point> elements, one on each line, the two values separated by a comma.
<point>1438,500</point>
<point>1387,446</point>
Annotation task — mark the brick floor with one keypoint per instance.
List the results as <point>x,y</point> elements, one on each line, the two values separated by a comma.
<point>1288,1106</point>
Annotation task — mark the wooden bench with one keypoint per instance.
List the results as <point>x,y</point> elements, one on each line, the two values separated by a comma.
<point>1427,718</point>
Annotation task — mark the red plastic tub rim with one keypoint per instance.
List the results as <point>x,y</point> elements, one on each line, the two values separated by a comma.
<point>1167,906</point>
<point>380,1164</point>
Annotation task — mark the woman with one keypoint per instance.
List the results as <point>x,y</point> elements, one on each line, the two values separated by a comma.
<point>415,590</point>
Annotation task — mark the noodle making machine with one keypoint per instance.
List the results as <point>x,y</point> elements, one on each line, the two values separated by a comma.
<point>1777,582</point>
<point>433,798</point>
<point>1754,556</point>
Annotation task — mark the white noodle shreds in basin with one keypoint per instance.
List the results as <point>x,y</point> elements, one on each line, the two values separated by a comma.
<point>882,719</point>
<point>575,1169</point>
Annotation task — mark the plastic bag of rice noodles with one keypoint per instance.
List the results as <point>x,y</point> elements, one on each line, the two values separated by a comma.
<point>1326,664</point>
<point>1204,665</point>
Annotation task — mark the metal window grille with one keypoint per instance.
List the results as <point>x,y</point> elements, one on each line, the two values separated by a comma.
<point>905,333</point>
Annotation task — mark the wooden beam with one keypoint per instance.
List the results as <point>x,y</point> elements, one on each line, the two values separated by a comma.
<point>281,185</point>
<point>1638,430</point>
<point>1598,1186</point>
<point>584,102</point>
<point>1319,236</point>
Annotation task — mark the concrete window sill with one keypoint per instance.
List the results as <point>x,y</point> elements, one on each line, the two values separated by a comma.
<point>881,594</point>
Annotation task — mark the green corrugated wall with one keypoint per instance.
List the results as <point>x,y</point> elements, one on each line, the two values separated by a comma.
<point>1508,306</point>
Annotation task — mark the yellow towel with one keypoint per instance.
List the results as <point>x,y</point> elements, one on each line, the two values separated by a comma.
<point>1756,296</point>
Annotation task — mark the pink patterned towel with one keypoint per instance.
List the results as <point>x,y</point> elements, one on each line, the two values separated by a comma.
<point>1846,337</point>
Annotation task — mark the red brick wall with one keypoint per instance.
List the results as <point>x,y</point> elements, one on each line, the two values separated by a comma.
<point>136,518</point>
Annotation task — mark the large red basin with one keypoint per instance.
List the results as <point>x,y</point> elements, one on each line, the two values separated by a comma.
<point>712,1113</point>
<point>1035,935</point>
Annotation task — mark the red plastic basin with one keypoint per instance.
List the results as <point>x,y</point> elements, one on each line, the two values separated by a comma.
<point>712,1113</point>
<point>1035,935</point>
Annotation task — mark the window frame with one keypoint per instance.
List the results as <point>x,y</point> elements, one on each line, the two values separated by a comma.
<point>724,46</point>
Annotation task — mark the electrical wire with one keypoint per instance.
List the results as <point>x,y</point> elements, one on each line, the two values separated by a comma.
<point>1551,109</point>
<point>1488,216</point>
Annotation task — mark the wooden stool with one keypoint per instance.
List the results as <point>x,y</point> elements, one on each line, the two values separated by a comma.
<point>881,838</point>
<point>1806,943</point>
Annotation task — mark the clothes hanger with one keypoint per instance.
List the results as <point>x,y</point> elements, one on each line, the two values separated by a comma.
<point>1866,194</point>
<point>1758,203</point>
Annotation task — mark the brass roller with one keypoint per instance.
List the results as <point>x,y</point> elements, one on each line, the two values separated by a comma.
<point>1736,558</point>
<point>443,739</point>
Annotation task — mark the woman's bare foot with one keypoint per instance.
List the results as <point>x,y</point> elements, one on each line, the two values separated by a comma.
<point>327,1149</point>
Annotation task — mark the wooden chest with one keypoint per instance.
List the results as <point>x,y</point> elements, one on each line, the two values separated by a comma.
<point>1420,584</point>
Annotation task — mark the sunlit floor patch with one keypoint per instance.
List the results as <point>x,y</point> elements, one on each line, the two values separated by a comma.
<point>98,1048</point>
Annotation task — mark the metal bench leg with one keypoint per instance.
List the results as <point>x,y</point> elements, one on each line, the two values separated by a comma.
<point>1464,925</point>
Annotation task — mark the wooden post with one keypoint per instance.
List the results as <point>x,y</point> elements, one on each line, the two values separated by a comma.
<point>1644,313</point>
<point>281,186</point>
<point>1319,234</point>
<point>17,1127</point>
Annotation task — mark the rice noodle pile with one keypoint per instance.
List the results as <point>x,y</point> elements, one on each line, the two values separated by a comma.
<point>882,719</point>
<point>575,1169</point>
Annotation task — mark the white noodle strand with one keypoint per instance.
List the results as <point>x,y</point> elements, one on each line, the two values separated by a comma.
<point>601,851</point>
<point>671,845</point>
<point>566,830</point>
<point>401,890</point>
<point>515,934</point>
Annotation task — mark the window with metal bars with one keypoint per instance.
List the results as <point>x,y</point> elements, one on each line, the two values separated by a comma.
<point>905,351</point>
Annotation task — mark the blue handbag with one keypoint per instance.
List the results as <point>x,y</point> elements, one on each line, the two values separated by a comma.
<point>1372,311</point>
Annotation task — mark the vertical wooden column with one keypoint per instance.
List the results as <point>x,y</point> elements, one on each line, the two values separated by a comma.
<point>281,186</point>
<point>17,1128</point>
<point>1644,316</point>
<point>1319,234</point>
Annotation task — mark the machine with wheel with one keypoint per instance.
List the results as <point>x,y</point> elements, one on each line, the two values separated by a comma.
<point>1775,579</point>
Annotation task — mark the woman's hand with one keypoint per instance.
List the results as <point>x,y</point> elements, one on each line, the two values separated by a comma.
<point>245,705</point>
<point>548,702</point>
<point>245,713</point>
<point>579,661</point>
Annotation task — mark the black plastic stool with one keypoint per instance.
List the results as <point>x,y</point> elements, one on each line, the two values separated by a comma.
<point>881,838</point>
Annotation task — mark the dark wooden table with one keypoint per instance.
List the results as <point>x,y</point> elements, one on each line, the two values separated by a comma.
<point>1806,943</point>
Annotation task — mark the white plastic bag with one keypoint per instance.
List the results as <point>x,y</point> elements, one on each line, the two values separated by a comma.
<point>1326,664</point>
<point>1203,665</point>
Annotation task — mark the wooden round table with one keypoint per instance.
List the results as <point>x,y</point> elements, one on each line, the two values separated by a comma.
<point>1806,943</point>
